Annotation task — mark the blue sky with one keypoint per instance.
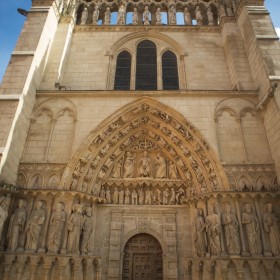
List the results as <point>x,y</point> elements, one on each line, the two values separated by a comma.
<point>11,23</point>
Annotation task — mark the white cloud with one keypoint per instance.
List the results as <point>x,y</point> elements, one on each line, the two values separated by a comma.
<point>278,31</point>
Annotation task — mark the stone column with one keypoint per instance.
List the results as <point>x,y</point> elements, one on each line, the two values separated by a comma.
<point>33,267</point>
<point>20,266</point>
<point>8,265</point>
<point>47,268</point>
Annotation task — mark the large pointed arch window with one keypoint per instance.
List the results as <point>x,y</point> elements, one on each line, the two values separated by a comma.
<point>169,71</point>
<point>146,66</point>
<point>123,71</point>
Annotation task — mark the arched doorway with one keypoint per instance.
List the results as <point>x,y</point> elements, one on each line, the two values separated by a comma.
<point>142,258</point>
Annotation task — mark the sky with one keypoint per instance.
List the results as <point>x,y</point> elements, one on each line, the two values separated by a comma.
<point>11,23</point>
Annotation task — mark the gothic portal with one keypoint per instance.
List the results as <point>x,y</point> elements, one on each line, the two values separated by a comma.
<point>140,140</point>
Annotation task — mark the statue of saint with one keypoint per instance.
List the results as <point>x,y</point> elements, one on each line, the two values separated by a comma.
<point>148,197</point>
<point>173,196</point>
<point>95,15</point>
<point>187,16</point>
<point>74,226</point>
<point>165,196</point>
<point>160,166</point>
<point>102,192</point>
<point>198,16</point>
<point>121,15</point>
<point>128,165</point>
<point>252,227</point>
<point>34,226</point>
<point>127,196</point>
<point>121,196</point>
<point>199,234</point>
<point>230,223</point>
<point>158,16</point>
<point>115,196</point>
<point>178,195</point>
<point>145,168</point>
<point>5,202</point>
<point>134,197</point>
<point>87,227</point>
<point>270,222</point>
<point>117,171</point>
<point>213,228</point>
<point>172,15</point>
<point>107,16</point>
<point>135,17</point>
<point>146,16</point>
<point>210,16</point>
<point>141,196</point>
<point>57,221</point>
<point>84,16</point>
<point>172,171</point>
<point>16,226</point>
<point>108,195</point>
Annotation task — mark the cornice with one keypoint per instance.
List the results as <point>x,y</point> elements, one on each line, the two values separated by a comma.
<point>135,93</point>
<point>133,28</point>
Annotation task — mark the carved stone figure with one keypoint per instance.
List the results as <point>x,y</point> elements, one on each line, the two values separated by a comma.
<point>115,196</point>
<point>252,227</point>
<point>270,222</point>
<point>178,195</point>
<point>145,168</point>
<point>127,196</point>
<point>117,171</point>
<point>165,196</point>
<point>141,196</point>
<point>121,196</point>
<point>87,226</point>
<point>135,17</point>
<point>172,171</point>
<point>134,197</point>
<point>95,15</point>
<point>128,165</point>
<point>146,16</point>
<point>173,196</point>
<point>121,15</point>
<point>34,225</point>
<point>102,192</point>
<point>172,15</point>
<point>160,166</point>
<point>57,221</point>
<point>16,226</point>
<point>158,196</point>
<point>213,228</point>
<point>84,16</point>
<point>74,226</point>
<point>199,234</point>
<point>148,197</point>
<point>198,16</point>
<point>230,223</point>
<point>108,195</point>
<point>187,16</point>
<point>158,16</point>
<point>210,16</point>
<point>107,16</point>
<point>5,202</point>
<point>229,7</point>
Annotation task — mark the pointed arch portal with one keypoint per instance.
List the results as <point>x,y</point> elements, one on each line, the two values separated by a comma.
<point>145,126</point>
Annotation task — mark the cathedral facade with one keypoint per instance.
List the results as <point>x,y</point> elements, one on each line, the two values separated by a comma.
<point>141,140</point>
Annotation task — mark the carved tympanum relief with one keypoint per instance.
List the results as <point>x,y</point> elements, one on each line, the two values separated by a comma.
<point>148,141</point>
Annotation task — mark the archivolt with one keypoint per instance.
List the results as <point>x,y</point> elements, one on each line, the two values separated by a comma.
<point>145,118</point>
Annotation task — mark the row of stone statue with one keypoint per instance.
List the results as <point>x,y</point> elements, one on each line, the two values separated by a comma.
<point>129,168</point>
<point>121,19</point>
<point>79,227</point>
<point>141,197</point>
<point>207,233</point>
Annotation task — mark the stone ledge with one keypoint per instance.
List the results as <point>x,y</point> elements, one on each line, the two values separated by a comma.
<point>267,37</point>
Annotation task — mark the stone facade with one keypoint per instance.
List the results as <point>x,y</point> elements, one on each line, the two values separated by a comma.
<point>99,182</point>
